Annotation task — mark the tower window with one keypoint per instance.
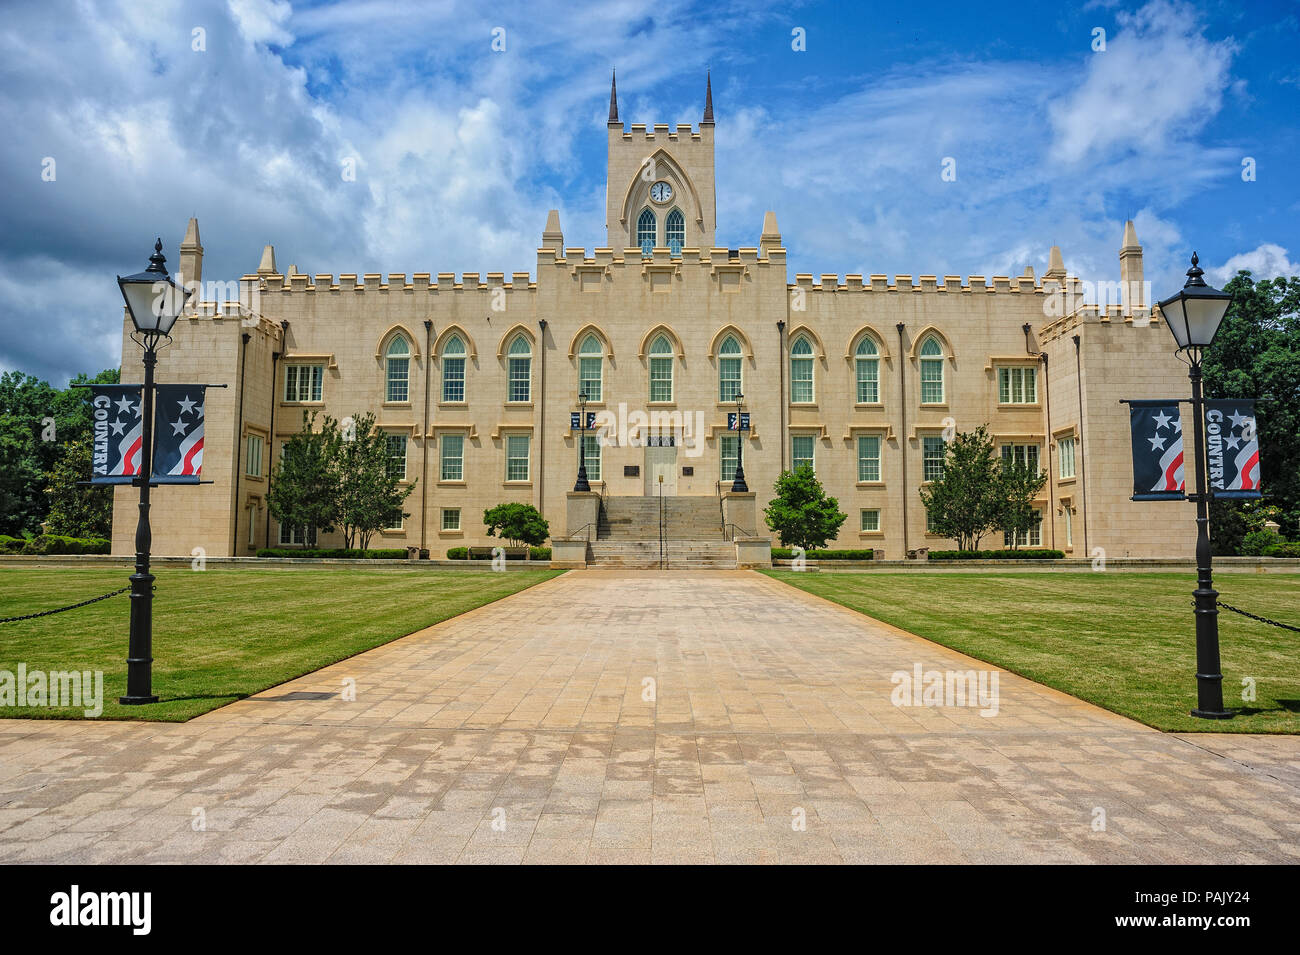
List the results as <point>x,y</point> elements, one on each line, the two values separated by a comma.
<point>646,231</point>
<point>676,229</point>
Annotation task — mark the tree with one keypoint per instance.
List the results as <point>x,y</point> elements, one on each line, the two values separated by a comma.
<point>801,513</point>
<point>1256,354</point>
<point>78,511</point>
<point>1017,487</point>
<point>370,491</point>
<point>304,485</point>
<point>964,503</point>
<point>518,523</point>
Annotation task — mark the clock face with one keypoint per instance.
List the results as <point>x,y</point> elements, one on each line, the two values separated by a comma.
<point>661,191</point>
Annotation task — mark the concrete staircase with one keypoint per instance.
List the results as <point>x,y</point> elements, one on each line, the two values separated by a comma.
<point>627,534</point>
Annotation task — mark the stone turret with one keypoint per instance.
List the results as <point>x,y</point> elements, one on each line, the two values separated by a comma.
<point>771,236</point>
<point>191,261</point>
<point>1130,271</point>
<point>552,237</point>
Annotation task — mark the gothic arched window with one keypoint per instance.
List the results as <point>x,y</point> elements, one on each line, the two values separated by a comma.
<point>676,229</point>
<point>646,233</point>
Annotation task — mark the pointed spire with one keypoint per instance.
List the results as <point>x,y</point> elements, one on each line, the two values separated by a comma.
<point>191,240</point>
<point>613,97</point>
<point>1055,264</point>
<point>267,265</point>
<point>708,100</point>
<point>552,236</point>
<point>1130,236</point>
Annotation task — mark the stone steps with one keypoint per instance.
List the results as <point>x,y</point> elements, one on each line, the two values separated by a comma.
<point>645,554</point>
<point>638,518</point>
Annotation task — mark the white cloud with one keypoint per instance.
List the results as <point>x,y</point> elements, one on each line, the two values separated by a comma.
<point>1266,261</point>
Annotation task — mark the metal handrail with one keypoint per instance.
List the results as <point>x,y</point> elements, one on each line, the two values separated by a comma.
<point>573,535</point>
<point>734,529</point>
<point>662,556</point>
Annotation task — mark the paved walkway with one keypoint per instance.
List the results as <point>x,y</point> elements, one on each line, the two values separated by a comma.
<point>527,731</point>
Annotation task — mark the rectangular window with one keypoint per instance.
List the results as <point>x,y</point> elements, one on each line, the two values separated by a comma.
<point>931,381</point>
<point>661,379</point>
<point>293,536</point>
<point>521,379</point>
<point>930,527</point>
<point>451,518</point>
<point>1069,526</point>
<point>868,381</point>
<point>517,457</point>
<point>399,385</point>
<point>453,457</point>
<point>303,382</point>
<point>933,450</point>
<point>253,466</point>
<point>868,457</point>
<point>801,451</point>
<point>591,456</point>
<point>1018,386</point>
<point>728,451</point>
<point>870,518</point>
<point>252,524</point>
<point>1065,452</point>
<point>728,379</point>
<point>453,379</point>
<point>589,378</point>
<point>395,521</point>
<point>801,380</point>
<point>1032,539</point>
<point>397,456</point>
<point>1025,454</point>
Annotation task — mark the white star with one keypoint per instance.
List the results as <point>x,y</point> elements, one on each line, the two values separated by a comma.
<point>178,427</point>
<point>186,405</point>
<point>1162,419</point>
<point>1157,443</point>
<point>124,404</point>
<point>1231,442</point>
<point>117,426</point>
<point>1238,419</point>
<point>1178,423</point>
<point>199,411</point>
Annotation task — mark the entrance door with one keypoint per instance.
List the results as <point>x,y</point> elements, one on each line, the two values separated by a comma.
<point>660,462</point>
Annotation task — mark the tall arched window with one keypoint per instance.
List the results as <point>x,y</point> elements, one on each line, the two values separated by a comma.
<point>729,366</point>
<point>453,369</point>
<point>398,360</point>
<point>661,370</point>
<point>931,372</point>
<point>646,231</point>
<point>801,372</point>
<point>867,362</point>
<point>590,359</point>
<point>520,362</point>
<point>675,228</point>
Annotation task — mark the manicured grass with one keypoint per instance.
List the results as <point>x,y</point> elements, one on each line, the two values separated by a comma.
<point>225,633</point>
<point>1125,641</point>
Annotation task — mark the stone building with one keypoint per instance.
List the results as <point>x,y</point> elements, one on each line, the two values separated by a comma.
<point>475,378</point>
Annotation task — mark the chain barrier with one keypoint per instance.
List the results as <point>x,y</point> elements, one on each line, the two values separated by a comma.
<point>46,613</point>
<point>1271,623</point>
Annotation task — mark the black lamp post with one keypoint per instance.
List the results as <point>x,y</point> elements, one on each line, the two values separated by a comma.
<point>1193,316</point>
<point>155,302</point>
<point>738,483</point>
<point>582,484</point>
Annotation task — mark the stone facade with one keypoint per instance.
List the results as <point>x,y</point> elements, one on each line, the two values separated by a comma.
<point>676,309</point>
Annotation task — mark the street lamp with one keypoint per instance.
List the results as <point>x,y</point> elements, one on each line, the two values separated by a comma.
<point>1193,316</point>
<point>738,483</point>
<point>582,484</point>
<point>155,302</point>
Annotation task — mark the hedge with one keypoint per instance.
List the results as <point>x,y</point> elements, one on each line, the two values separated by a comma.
<point>337,552</point>
<point>534,553</point>
<point>1026,554</point>
<point>45,544</point>
<point>787,553</point>
<point>1283,549</point>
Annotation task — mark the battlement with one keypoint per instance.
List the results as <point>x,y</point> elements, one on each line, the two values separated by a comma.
<point>575,256</point>
<point>396,282</point>
<point>662,132</point>
<point>951,284</point>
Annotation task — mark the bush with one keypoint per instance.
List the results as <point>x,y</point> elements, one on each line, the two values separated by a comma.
<point>1283,548</point>
<point>1040,554</point>
<point>458,553</point>
<point>11,545</point>
<point>46,544</point>
<point>336,552</point>
<point>1259,543</point>
<point>539,553</point>
<point>787,553</point>
<point>534,553</point>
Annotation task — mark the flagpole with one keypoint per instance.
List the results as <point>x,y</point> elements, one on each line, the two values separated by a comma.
<point>139,660</point>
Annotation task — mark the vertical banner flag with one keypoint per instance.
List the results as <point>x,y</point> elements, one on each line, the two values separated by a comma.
<point>117,430</point>
<point>178,434</point>
<point>1232,447</point>
<point>1157,432</point>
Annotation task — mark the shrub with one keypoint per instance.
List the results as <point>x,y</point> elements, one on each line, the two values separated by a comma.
<point>1024,554</point>
<point>336,552</point>
<point>458,553</point>
<point>58,544</point>
<point>1259,543</point>
<point>518,523</point>
<point>787,553</point>
<point>534,553</point>
<point>539,553</point>
<point>1283,548</point>
<point>11,545</point>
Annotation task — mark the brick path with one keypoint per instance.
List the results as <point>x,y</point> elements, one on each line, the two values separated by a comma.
<point>519,732</point>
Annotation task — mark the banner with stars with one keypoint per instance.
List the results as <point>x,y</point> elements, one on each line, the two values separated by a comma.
<point>117,431</point>
<point>1232,447</point>
<point>178,434</point>
<point>1157,432</point>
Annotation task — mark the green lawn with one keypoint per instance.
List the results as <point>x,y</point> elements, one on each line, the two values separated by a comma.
<point>1125,641</point>
<point>225,633</point>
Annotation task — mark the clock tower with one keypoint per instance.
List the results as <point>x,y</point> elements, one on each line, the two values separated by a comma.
<point>659,184</point>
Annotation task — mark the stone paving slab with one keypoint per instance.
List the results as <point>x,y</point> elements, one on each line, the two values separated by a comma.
<point>644,717</point>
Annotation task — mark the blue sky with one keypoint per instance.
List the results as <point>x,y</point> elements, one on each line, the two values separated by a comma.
<point>460,150</point>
